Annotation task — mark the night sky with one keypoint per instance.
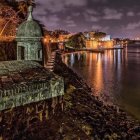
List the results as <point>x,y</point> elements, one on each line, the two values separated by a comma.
<point>120,18</point>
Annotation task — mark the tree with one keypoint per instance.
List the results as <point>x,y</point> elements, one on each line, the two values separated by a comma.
<point>7,15</point>
<point>77,41</point>
<point>98,35</point>
<point>11,16</point>
<point>22,7</point>
<point>31,2</point>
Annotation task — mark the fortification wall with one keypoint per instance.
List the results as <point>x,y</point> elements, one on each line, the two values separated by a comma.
<point>22,122</point>
<point>25,82</point>
<point>30,95</point>
<point>7,51</point>
<point>20,96</point>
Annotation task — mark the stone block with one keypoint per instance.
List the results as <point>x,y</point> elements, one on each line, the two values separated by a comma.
<point>27,82</point>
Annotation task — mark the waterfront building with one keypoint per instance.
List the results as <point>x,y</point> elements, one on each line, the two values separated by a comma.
<point>89,35</point>
<point>103,42</point>
<point>106,38</point>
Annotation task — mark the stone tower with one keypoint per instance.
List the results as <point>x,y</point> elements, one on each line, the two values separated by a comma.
<point>28,39</point>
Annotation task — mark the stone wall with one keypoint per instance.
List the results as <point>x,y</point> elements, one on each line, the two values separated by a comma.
<point>7,51</point>
<point>20,122</point>
<point>93,44</point>
<point>24,82</point>
<point>19,96</point>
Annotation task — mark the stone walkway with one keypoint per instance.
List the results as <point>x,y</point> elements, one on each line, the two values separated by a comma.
<point>51,61</point>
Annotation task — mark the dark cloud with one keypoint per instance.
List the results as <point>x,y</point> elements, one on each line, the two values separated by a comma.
<point>133,26</point>
<point>111,14</point>
<point>130,13</point>
<point>116,17</point>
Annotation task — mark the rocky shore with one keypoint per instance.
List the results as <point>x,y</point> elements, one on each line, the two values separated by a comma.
<point>88,118</point>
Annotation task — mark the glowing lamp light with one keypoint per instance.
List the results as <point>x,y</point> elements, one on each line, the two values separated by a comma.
<point>45,40</point>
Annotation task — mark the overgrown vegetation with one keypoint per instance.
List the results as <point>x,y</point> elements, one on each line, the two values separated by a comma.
<point>12,13</point>
<point>77,41</point>
<point>98,35</point>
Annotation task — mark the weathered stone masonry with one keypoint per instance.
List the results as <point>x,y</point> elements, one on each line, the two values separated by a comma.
<point>24,82</point>
<point>29,95</point>
<point>19,122</point>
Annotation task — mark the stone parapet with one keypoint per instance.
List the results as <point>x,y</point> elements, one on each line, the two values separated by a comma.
<point>24,82</point>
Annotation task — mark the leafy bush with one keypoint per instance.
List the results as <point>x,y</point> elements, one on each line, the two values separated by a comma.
<point>77,41</point>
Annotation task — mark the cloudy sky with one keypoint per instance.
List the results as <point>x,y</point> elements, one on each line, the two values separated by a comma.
<point>120,18</point>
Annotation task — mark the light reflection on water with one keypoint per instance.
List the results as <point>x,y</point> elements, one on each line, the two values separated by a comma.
<point>115,75</point>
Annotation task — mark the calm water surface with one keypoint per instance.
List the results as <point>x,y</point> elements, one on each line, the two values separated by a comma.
<point>114,75</point>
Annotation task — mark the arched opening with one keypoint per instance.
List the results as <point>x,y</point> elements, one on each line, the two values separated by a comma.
<point>40,54</point>
<point>21,52</point>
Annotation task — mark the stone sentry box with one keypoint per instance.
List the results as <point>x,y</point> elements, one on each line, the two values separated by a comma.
<point>29,35</point>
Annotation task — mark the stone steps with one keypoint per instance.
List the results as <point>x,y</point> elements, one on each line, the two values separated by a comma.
<point>51,61</point>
